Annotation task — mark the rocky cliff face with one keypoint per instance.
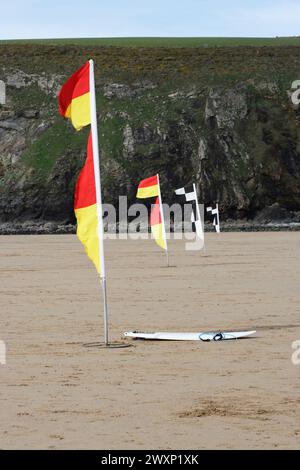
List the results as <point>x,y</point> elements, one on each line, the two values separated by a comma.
<point>199,116</point>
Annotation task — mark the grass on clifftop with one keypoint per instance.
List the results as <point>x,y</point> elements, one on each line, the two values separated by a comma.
<point>164,41</point>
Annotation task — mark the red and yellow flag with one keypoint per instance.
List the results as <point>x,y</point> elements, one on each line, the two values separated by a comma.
<point>74,98</point>
<point>148,188</point>
<point>85,206</point>
<point>156,225</point>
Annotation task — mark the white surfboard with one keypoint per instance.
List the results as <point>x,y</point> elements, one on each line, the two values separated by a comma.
<point>201,336</point>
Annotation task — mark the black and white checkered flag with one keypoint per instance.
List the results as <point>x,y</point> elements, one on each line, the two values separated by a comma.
<point>216,218</point>
<point>195,216</point>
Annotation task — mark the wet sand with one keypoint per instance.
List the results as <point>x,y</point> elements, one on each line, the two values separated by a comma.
<point>57,394</point>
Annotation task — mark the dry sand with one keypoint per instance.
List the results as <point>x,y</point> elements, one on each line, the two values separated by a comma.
<point>155,395</point>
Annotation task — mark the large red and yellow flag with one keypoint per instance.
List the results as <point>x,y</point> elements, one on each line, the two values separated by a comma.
<point>156,225</point>
<point>85,206</point>
<point>148,188</point>
<point>74,98</point>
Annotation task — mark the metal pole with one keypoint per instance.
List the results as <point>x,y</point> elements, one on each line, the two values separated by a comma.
<point>218,218</point>
<point>105,310</point>
<point>96,160</point>
<point>199,216</point>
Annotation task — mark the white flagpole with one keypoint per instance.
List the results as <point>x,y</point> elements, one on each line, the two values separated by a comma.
<point>94,130</point>
<point>199,216</point>
<point>162,219</point>
<point>218,218</point>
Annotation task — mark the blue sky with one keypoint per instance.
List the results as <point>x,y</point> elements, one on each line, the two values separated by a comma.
<point>117,18</point>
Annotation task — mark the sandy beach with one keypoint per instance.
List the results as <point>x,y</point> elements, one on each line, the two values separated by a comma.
<point>58,394</point>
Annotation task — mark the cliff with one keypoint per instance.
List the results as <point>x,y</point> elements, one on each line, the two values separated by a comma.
<point>220,116</point>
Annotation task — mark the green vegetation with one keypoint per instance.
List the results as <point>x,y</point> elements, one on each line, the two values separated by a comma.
<point>170,68</point>
<point>111,137</point>
<point>164,41</point>
<point>30,98</point>
<point>55,142</point>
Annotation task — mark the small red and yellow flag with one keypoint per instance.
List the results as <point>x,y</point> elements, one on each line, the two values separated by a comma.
<point>74,98</point>
<point>156,225</point>
<point>148,188</point>
<point>85,206</point>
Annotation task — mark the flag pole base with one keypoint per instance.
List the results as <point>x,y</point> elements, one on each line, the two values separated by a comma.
<point>112,345</point>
